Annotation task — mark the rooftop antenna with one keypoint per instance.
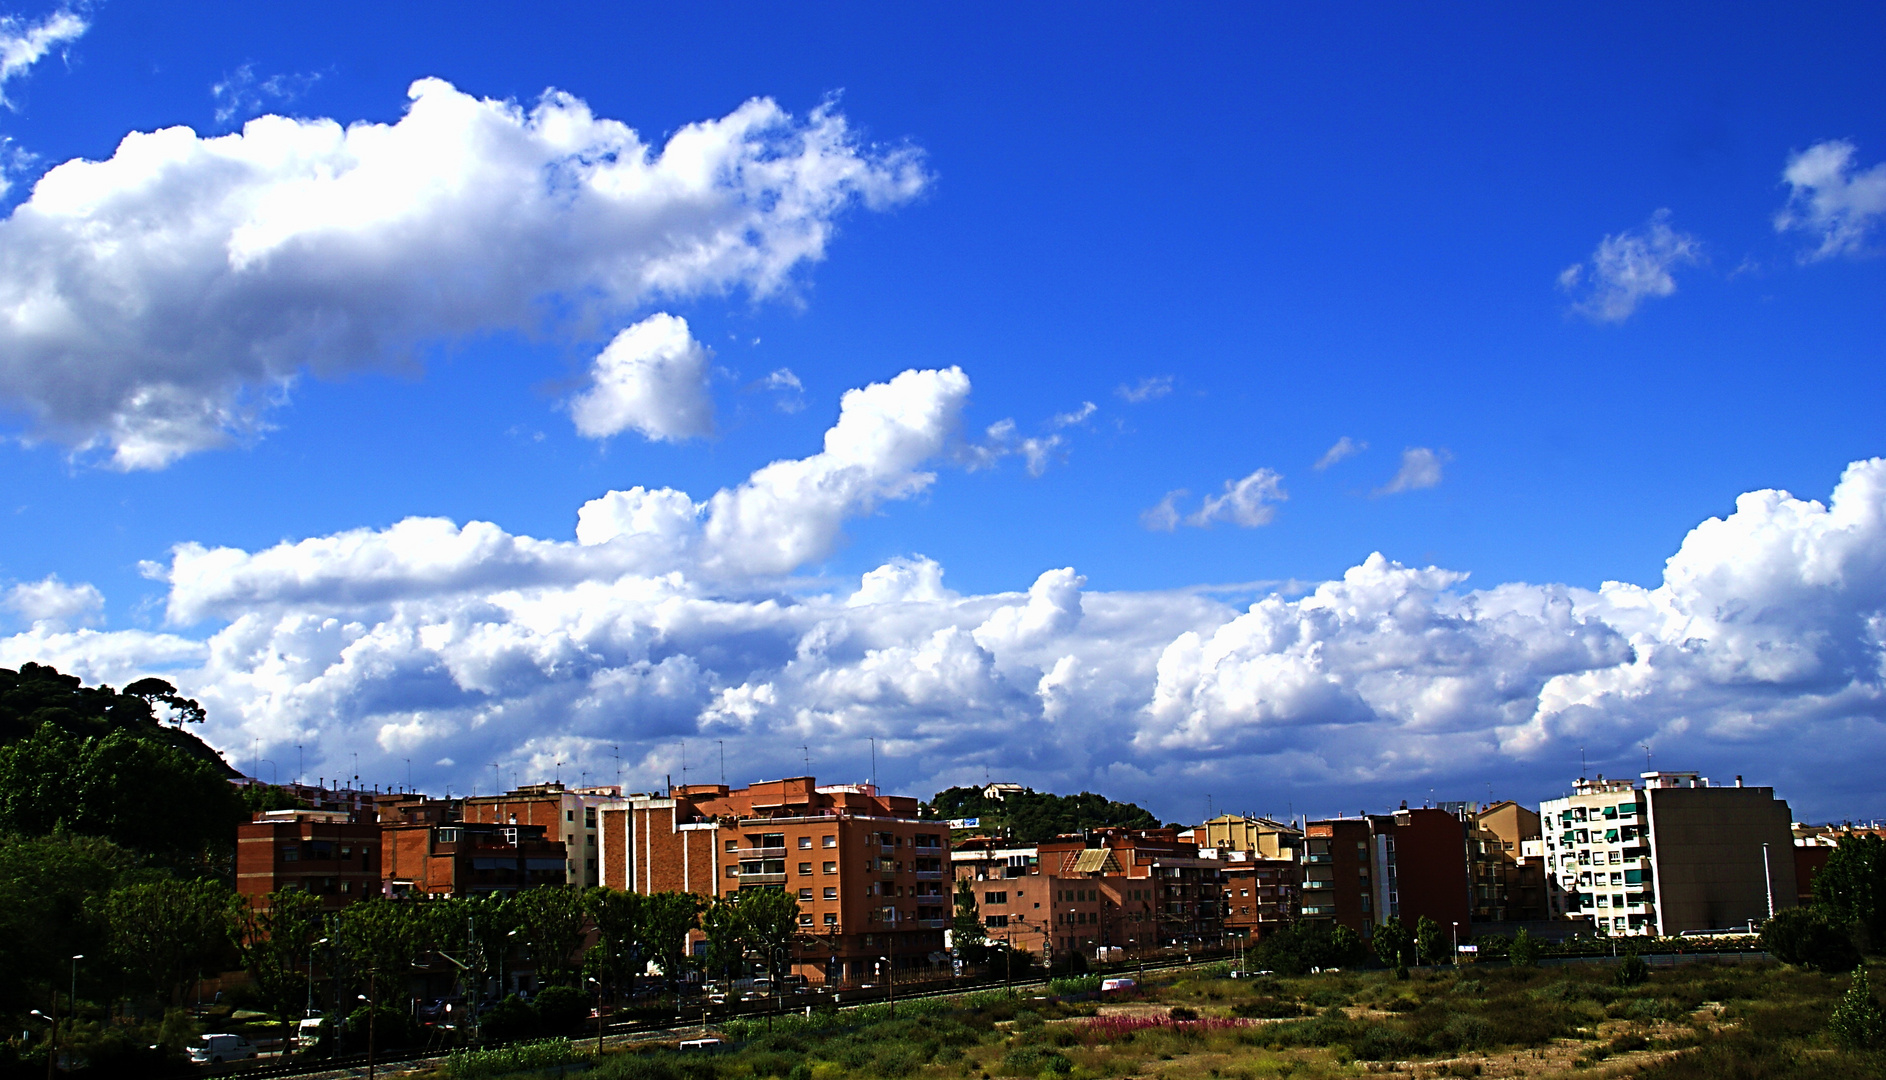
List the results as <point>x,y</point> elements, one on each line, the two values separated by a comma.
<point>497,784</point>
<point>684,763</point>
<point>1211,811</point>
<point>807,751</point>
<point>1646,757</point>
<point>409,774</point>
<point>1581,763</point>
<point>297,763</point>
<point>616,752</point>
<point>874,763</point>
<point>723,761</point>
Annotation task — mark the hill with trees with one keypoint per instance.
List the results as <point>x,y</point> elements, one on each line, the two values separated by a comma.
<point>1029,816</point>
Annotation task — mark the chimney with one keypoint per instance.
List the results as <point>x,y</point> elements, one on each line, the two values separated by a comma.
<point>1738,779</point>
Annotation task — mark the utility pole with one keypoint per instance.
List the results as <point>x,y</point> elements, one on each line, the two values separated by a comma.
<point>1768,882</point>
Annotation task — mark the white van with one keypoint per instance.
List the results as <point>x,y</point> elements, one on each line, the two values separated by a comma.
<point>216,1049</point>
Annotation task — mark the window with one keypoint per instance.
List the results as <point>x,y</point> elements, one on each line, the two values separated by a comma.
<point>290,854</point>
<point>805,894</point>
<point>831,918</point>
<point>733,845</point>
<point>830,868</point>
<point>805,868</point>
<point>733,871</point>
<point>1628,809</point>
<point>830,841</point>
<point>995,898</point>
<point>805,918</point>
<point>569,815</point>
<point>805,842</point>
<point>831,892</point>
<point>995,920</point>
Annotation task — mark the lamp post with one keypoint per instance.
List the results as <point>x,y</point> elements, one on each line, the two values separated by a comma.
<point>598,986</point>
<point>309,1007</point>
<point>72,999</point>
<point>890,985</point>
<point>51,1032</point>
<point>372,1017</point>
<point>1456,944</point>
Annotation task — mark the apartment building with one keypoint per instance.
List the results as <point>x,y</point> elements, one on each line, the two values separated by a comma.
<point>1669,854</point>
<point>566,814</point>
<point>326,853</point>
<point>1260,893</point>
<point>1412,864</point>
<point>871,877</point>
<point>1130,889</point>
<point>459,858</point>
<point>1235,832</point>
<point>1509,864</point>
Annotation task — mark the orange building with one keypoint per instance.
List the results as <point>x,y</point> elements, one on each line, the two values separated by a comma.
<point>870,876</point>
<point>1260,893</point>
<point>323,852</point>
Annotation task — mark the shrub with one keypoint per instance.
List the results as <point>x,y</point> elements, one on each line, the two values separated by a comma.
<point>1266,1008</point>
<point>512,1018</point>
<point>1180,1012</point>
<point>561,1009</point>
<point>1525,951</point>
<point>1632,972</point>
<point>1033,1061</point>
<point>1856,1022</point>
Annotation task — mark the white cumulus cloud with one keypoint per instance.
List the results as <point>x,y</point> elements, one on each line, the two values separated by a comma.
<point>653,378</point>
<point>55,603</point>
<point>1761,651</point>
<point>1150,388</point>
<point>1629,268</point>
<point>156,302</point>
<point>1833,199</point>
<point>1420,468</point>
<point>1247,503</point>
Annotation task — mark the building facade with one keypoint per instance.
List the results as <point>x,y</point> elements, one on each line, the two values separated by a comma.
<point>326,853</point>
<point>459,858</point>
<point>871,876</point>
<point>569,815</point>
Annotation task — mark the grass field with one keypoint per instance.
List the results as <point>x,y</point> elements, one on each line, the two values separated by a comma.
<point>1702,1020</point>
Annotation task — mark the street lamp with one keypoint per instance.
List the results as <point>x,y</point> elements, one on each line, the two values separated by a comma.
<point>309,1007</point>
<point>373,1015</point>
<point>1457,944</point>
<point>890,985</point>
<point>598,986</point>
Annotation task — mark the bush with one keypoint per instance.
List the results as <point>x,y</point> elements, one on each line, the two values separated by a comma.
<point>386,1026</point>
<point>1266,1008</point>
<point>1810,938</point>
<point>475,1064</point>
<point>1524,952</point>
<point>1180,1012</point>
<point>512,1018</point>
<point>1033,1061</point>
<point>1632,972</point>
<point>561,1009</point>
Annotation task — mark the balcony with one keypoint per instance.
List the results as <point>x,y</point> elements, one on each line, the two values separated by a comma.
<point>1316,858</point>
<point>929,875</point>
<point>762,879</point>
<point>933,924</point>
<point>761,852</point>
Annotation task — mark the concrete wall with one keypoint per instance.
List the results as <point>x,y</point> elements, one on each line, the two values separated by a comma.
<point>1706,856</point>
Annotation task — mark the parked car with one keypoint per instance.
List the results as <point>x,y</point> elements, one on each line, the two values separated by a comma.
<point>216,1049</point>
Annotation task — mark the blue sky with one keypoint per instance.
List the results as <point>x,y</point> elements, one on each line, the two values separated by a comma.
<point>1277,229</point>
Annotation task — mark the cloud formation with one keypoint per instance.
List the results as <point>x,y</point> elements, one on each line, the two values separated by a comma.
<point>240,93</point>
<point>1761,651</point>
<point>1344,449</point>
<point>1151,388</point>
<point>1420,468</point>
<point>156,303</point>
<point>1629,268</point>
<point>653,378</point>
<point>1832,199</point>
<point>23,44</point>
<point>55,604</point>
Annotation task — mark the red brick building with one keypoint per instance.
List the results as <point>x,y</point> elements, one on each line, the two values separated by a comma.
<point>1260,894</point>
<point>566,814</point>
<point>1411,864</point>
<point>1131,890</point>
<point>469,859</point>
<point>326,853</point>
<point>870,876</point>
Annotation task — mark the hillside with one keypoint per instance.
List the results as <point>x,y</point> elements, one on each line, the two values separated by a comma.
<point>37,694</point>
<point>1030,817</point>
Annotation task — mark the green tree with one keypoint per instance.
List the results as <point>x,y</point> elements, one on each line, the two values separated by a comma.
<point>49,887</point>
<point>723,924</point>
<point>771,917</point>
<point>1852,887</point>
<point>669,917</point>
<point>619,953</point>
<point>552,922</point>
<point>1525,950</point>
<point>966,929</point>
<point>1391,944</point>
<point>1810,937</point>
<point>1428,940</point>
<point>167,933</point>
<point>378,937</point>
<point>1031,816</point>
<point>1856,1022</point>
<point>277,939</point>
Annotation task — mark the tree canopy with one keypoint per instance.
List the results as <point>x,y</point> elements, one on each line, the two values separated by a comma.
<point>1029,817</point>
